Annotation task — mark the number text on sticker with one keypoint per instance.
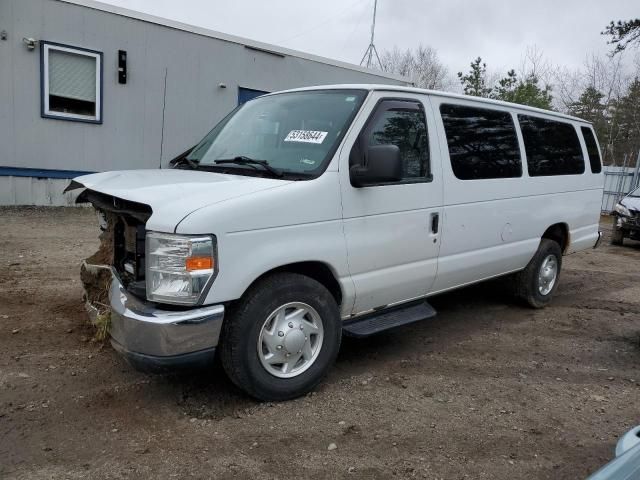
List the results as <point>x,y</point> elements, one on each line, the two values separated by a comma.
<point>306,136</point>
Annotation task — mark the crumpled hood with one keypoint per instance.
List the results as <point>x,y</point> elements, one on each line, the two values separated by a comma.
<point>172,194</point>
<point>632,203</point>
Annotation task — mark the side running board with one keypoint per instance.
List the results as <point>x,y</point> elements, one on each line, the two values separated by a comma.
<point>386,319</point>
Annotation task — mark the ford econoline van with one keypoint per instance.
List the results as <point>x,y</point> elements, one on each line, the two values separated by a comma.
<point>310,214</point>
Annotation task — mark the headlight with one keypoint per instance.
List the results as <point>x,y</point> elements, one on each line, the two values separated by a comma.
<point>178,267</point>
<point>622,210</point>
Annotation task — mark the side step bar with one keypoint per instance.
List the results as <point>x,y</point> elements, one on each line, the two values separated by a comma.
<point>382,320</point>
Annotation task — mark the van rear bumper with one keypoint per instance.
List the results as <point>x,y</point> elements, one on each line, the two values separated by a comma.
<point>154,339</point>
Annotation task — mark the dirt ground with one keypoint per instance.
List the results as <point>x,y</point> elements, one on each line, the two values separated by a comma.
<point>487,390</point>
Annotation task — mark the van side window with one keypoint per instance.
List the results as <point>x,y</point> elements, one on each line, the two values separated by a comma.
<point>592,150</point>
<point>401,123</point>
<point>552,147</point>
<point>482,142</point>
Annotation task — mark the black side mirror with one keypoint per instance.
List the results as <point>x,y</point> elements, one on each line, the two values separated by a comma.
<point>382,165</point>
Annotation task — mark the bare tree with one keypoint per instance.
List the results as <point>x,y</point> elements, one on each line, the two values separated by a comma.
<point>534,64</point>
<point>421,65</point>
<point>568,85</point>
<point>604,74</point>
<point>599,85</point>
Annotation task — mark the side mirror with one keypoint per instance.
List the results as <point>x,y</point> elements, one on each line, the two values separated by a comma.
<point>382,165</point>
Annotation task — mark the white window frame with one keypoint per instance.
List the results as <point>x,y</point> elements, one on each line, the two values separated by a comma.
<point>45,48</point>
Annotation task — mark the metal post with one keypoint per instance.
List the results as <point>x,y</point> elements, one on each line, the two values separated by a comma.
<point>371,49</point>
<point>616,192</point>
<point>164,104</point>
<point>636,180</point>
<point>625,175</point>
<point>621,179</point>
<point>373,32</point>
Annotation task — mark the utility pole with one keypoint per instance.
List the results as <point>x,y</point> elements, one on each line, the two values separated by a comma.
<point>371,49</point>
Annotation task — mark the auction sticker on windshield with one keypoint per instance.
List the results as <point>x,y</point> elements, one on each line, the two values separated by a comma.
<point>306,136</point>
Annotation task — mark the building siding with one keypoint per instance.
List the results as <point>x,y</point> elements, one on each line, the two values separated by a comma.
<point>131,135</point>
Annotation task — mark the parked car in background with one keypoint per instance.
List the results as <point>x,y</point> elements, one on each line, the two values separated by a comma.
<point>626,465</point>
<point>626,222</point>
<point>315,212</point>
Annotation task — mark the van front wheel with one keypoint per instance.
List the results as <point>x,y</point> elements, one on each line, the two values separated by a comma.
<point>537,283</point>
<point>282,337</point>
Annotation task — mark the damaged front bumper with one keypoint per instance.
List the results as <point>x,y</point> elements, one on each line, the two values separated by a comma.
<point>154,339</point>
<point>630,225</point>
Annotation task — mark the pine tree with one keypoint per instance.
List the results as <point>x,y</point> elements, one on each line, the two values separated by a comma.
<point>590,106</point>
<point>623,34</point>
<point>524,92</point>
<point>627,115</point>
<point>475,82</point>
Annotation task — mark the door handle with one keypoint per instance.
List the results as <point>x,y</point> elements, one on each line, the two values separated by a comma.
<point>435,220</point>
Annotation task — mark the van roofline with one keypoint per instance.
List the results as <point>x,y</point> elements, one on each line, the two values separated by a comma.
<point>438,93</point>
<point>252,44</point>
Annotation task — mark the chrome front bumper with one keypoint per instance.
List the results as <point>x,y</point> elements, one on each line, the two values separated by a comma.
<point>155,339</point>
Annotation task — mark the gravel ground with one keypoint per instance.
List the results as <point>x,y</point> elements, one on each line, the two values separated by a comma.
<point>487,390</point>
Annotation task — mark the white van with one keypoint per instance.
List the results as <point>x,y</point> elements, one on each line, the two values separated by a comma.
<point>312,213</point>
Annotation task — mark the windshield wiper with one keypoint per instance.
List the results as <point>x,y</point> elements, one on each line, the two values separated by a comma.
<point>242,160</point>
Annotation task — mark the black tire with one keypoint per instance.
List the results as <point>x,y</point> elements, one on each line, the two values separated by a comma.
<point>617,234</point>
<point>527,283</point>
<point>241,331</point>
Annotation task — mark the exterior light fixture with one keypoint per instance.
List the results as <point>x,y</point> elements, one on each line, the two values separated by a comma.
<point>30,43</point>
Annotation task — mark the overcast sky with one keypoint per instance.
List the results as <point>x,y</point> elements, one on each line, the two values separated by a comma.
<point>498,30</point>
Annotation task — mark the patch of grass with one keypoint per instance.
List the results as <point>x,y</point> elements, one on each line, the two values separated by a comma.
<point>103,326</point>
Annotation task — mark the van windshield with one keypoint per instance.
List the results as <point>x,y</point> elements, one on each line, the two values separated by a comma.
<point>296,133</point>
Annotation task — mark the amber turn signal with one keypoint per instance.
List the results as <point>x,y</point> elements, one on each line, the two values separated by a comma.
<point>198,263</point>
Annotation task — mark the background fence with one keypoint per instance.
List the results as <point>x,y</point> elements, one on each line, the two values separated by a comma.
<point>618,181</point>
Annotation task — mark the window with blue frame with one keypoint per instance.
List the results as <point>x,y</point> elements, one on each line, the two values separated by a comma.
<point>71,83</point>
<point>246,94</point>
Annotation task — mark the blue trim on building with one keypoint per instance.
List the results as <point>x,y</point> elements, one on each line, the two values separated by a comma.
<point>39,172</point>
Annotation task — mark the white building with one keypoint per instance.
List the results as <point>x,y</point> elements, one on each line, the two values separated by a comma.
<point>89,87</point>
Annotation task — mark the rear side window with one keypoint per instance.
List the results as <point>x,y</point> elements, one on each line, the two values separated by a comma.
<point>552,147</point>
<point>482,142</point>
<point>592,150</point>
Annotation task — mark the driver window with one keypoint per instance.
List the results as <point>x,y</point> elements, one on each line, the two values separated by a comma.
<point>403,124</point>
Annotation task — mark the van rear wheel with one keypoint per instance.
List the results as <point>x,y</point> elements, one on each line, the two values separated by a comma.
<point>282,337</point>
<point>537,283</point>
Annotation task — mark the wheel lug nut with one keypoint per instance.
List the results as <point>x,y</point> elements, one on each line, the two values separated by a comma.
<point>281,334</point>
<point>306,338</point>
<point>288,354</point>
<point>279,347</point>
<point>290,324</point>
<point>301,327</point>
